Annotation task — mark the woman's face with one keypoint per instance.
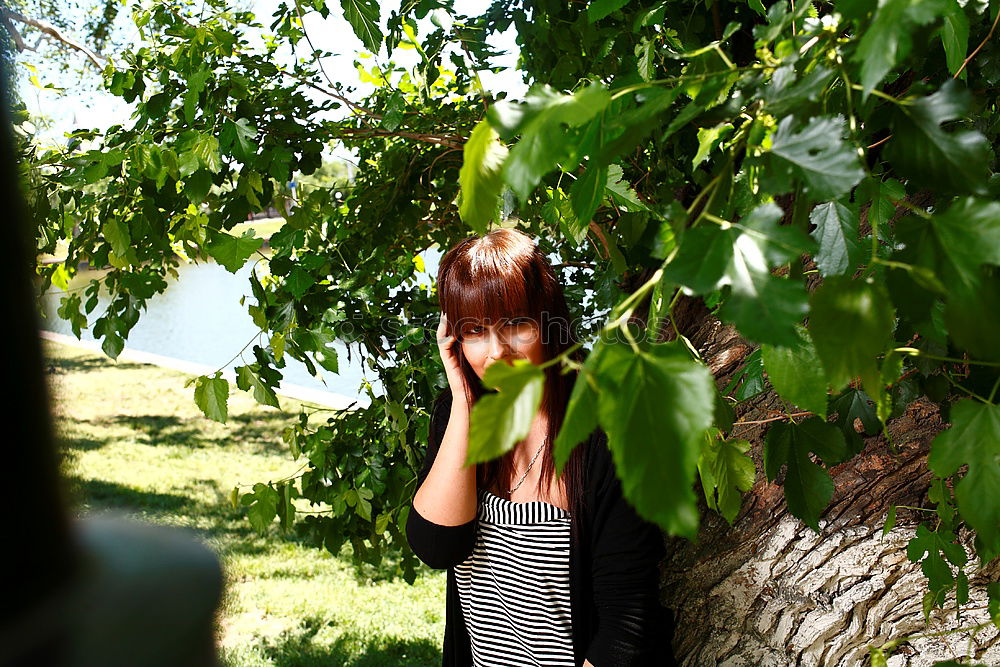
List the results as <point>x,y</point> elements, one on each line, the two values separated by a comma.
<point>485,343</point>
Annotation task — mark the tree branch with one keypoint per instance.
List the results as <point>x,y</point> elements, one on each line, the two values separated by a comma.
<point>50,30</point>
<point>18,40</point>
<point>450,141</point>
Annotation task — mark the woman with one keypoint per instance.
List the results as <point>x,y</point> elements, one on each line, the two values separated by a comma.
<point>542,569</point>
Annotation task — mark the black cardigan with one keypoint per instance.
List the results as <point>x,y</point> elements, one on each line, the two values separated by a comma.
<point>614,575</point>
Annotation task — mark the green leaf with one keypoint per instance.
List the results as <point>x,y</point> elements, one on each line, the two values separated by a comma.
<point>883,196</point>
<point>206,149</point>
<point>645,51</point>
<point>973,440</point>
<point>796,373</point>
<point>588,191</point>
<point>558,212</point>
<point>298,281</point>
<point>116,233</point>
<point>211,394</point>
<point>248,377</point>
<point>392,117</point>
<point>951,162</point>
<point>239,138</point>
<point>195,84</point>
<point>808,487</point>
<point>852,406</point>
<point>968,236</point>
<point>764,307</point>
<point>654,407</point>
<point>815,155</point>
<point>480,177</point>
<point>787,93</point>
<point>112,329</point>
<point>264,508</point>
<point>726,472</point>
<point>621,191</point>
<point>836,232</point>
<point>709,138</point>
<point>581,412</point>
<point>543,142</point>
<point>69,309</point>
<point>888,39</point>
<point>363,15</point>
<point>935,568</point>
<point>326,356</point>
<point>890,521</point>
<point>973,317</point>
<point>955,36</point>
<point>197,186</point>
<point>701,261</point>
<point>319,342</point>
<point>598,9</point>
<point>850,321</point>
<point>501,419</point>
<point>231,251</point>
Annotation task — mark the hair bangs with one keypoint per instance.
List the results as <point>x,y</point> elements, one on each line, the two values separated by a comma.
<point>488,293</point>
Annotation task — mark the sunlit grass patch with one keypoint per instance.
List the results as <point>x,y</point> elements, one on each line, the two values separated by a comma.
<point>133,441</point>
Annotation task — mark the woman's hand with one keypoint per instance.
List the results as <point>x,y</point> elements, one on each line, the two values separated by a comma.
<point>448,349</point>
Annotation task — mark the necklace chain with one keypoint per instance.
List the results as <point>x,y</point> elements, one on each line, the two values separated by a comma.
<point>525,475</point>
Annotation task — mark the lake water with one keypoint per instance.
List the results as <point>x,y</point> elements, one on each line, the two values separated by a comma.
<point>199,319</point>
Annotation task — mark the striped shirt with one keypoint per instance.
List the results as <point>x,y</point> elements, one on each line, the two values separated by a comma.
<point>514,587</point>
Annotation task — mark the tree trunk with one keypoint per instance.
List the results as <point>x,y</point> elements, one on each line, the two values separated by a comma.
<point>769,591</point>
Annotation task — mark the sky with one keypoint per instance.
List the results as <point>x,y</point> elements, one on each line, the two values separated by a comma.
<point>101,110</point>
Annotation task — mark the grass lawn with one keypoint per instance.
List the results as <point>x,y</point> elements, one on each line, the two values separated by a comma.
<point>134,441</point>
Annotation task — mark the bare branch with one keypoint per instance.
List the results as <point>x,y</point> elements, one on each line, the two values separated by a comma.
<point>53,32</point>
<point>18,40</point>
<point>450,141</point>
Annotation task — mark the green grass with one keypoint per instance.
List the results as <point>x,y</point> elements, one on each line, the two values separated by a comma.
<point>133,441</point>
<point>262,228</point>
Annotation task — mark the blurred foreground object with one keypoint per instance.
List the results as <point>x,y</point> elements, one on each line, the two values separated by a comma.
<point>102,591</point>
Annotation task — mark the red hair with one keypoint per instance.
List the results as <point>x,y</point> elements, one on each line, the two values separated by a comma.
<point>498,276</point>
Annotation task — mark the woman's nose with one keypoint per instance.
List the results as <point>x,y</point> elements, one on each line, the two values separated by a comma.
<point>499,346</point>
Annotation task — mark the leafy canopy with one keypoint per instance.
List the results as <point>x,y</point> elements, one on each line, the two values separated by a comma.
<point>820,176</point>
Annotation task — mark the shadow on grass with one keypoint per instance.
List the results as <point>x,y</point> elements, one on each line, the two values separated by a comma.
<point>67,442</point>
<point>228,527</point>
<point>108,495</point>
<point>302,650</point>
<point>161,429</point>
<point>255,433</point>
<point>85,364</point>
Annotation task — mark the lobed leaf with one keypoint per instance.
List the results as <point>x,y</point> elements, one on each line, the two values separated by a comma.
<point>974,441</point>
<point>480,177</point>
<point>501,419</point>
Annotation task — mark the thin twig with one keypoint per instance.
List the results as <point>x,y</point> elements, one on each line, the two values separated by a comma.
<point>879,143</point>
<point>978,48</point>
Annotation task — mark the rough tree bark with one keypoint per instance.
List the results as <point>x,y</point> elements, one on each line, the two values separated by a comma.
<point>769,591</point>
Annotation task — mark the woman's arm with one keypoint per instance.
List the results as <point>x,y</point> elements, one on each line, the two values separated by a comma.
<point>442,539</point>
<point>447,496</point>
<point>627,550</point>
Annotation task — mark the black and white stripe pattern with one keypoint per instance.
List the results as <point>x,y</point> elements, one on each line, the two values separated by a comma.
<point>514,588</point>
